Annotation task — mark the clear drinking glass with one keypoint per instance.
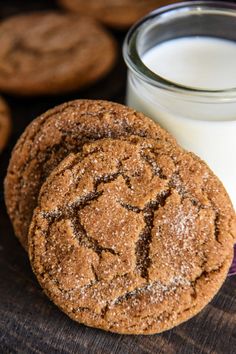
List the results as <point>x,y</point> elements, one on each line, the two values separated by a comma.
<point>203,121</point>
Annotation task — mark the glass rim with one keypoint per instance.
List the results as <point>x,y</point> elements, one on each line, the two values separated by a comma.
<point>136,65</point>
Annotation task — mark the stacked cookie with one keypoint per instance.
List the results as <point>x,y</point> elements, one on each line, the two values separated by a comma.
<point>126,231</point>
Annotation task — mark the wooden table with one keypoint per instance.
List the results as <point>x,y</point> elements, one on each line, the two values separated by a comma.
<point>30,323</point>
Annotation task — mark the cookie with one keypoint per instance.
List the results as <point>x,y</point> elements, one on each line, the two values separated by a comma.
<point>50,53</point>
<point>50,138</point>
<point>132,235</point>
<point>117,14</point>
<point>5,124</point>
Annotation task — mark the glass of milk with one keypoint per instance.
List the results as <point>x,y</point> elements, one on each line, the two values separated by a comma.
<point>182,73</point>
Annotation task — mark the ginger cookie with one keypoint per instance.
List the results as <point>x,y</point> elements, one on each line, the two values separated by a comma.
<point>114,13</point>
<point>5,124</point>
<point>50,138</point>
<point>132,235</point>
<point>50,53</point>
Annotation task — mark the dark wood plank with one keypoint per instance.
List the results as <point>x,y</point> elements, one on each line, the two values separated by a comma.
<point>29,322</point>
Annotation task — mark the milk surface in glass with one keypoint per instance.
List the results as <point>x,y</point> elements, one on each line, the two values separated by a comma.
<point>205,127</point>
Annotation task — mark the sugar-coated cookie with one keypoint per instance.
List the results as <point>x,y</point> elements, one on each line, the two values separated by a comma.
<point>52,136</point>
<point>132,235</point>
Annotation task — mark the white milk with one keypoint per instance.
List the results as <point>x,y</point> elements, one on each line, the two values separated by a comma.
<point>200,124</point>
<point>199,62</point>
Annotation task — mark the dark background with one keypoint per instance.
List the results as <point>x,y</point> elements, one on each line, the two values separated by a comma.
<point>29,322</point>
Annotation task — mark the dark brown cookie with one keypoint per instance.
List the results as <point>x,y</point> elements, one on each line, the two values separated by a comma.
<point>115,13</point>
<point>132,235</point>
<point>5,124</point>
<point>52,136</point>
<point>48,53</point>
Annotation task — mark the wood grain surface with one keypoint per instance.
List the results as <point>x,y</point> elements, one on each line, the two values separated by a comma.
<point>29,322</point>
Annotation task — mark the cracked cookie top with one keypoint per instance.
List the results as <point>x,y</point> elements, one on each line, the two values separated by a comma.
<point>51,52</point>
<point>52,136</point>
<point>131,235</point>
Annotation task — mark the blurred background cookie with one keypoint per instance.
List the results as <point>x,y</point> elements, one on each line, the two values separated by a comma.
<point>5,124</point>
<point>115,13</point>
<point>50,52</point>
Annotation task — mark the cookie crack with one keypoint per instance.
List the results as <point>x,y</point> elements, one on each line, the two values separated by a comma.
<point>86,240</point>
<point>205,274</point>
<point>72,213</point>
<point>104,310</point>
<point>129,207</point>
<point>142,247</point>
<point>94,273</point>
<point>216,227</point>
<point>105,179</point>
<point>176,183</point>
<point>127,180</point>
<point>71,210</point>
<point>161,287</point>
<point>157,170</point>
